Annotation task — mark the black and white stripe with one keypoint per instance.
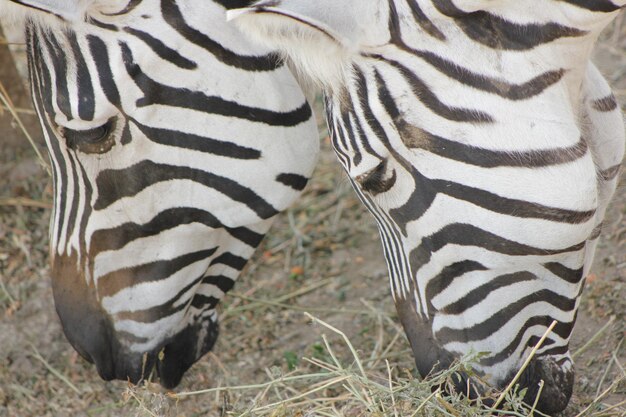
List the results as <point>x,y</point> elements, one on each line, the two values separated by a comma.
<point>174,143</point>
<point>486,145</point>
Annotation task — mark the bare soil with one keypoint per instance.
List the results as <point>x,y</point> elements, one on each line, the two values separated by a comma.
<point>323,256</point>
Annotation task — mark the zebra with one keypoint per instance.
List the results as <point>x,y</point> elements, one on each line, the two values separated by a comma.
<point>487,147</point>
<point>174,143</point>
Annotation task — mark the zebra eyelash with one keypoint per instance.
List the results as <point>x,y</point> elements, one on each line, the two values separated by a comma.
<point>97,140</point>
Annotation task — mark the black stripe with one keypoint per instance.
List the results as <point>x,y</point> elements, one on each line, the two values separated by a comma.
<point>155,313</point>
<point>605,104</point>
<point>126,137</point>
<point>335,137</point>
<point>341,144</point>
<point>417,138</point>
<point>234,4</point>
<point>562,329</point>
<point>147,173</point>
<point>162,50</point>
<point>446,277</point>
<point>183,140</point>
<point>231,260</point>
<point>132,4</point>
<point>372,121</point>
<point>611,173</point>
<point>392,244</point>
<point>72,221</point>
<point>510,206</point>
<point>572,276</point>
<point>295,181</point>
<point>424,22</point>
<point>486,328</point>
<point>86,95</point>
<point>426,190</point>
<point>173,16</point>
<point>596,232</point>
<point>102,25</point>
<point>87,210</point>
<point>604,6</point>
<point>222,282</point>
<point>202,302</point>
<point>498,33</point>
<point>118,237</point>
<point>157,93</point>
<point>59,64</point>
<point>247,236</point>
<point>357,128</point>
<point>478,294</point>
<point>422,92</point>
<point>470,235</point>
<point>348,131</point>
<point>116,281</point>
<point>100,55</point>
<point>500,87</point>
<point>41,84</point>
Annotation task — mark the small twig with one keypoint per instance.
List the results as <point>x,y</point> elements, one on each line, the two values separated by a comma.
<point>613,407</point>
<point>423,404</point>
<point>305,394</point>
<point>448,408</point>
<point>524,365</point>
<point>25,202</point>
<point>345,338</point>
<point>249,387</point>
<point>285,297</point>
<point>3,287</point>
<point>393,398</point>
<point>6,102</point>
<point>29,112</point>
<point>601,396</point>
<point>56,373</point>
<point>303,309</point>
<point>532,410</point>
<point>608,368</point>
<point>595,337</point>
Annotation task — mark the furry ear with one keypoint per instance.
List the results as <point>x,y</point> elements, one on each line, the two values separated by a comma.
<point>67,10</point>
<point>317,38</point>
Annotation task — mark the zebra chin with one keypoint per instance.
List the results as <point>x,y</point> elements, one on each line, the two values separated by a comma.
<point>90,331</point>
<point>168,362</point>
<point>548,379</point>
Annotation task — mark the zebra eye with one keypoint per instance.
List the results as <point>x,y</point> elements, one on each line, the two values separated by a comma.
<point>374,181</point>
<point>96,140</point>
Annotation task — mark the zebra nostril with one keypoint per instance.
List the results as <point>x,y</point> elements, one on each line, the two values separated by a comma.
<point>376,181</point>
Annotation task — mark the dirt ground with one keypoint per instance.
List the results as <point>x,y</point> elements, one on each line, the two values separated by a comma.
<point>323,256</point>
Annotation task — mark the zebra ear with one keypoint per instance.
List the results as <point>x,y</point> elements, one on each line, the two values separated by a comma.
<point>68,10</point>
<point>316,39</point>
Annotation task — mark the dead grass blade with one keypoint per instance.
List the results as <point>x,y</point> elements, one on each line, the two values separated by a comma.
<point>594,339</point>
<point>53,370</point>
<point>25,202</point>
<point>8,104</point>
<point>525,364</point>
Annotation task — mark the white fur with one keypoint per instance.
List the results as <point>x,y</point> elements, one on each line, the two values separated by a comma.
<point>319,43</point>
<point>317,59</point>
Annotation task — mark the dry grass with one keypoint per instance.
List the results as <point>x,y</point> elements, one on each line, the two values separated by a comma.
<point>349,358</point>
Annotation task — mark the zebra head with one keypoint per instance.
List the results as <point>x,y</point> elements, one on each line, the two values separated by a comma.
<point>486,146</point>
<point>173,147</point>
